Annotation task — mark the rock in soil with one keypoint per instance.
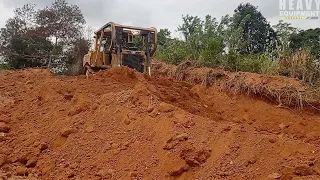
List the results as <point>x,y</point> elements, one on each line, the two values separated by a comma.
<point>90,129</point>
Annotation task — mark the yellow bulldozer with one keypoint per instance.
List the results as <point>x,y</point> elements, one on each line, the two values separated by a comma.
<point>120,45</point>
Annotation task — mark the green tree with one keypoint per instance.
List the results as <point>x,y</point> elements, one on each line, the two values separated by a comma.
<point>75,56</point>
<point>163,36</point>
<point>212,55</point>
<point>306,39</point>
<point>192,25</point>
<point>174,52</point>
<point>257,34</point>
<point>284,31</point>
<point>209,31</point>
<point>22,45</point>
<point>192,30</point>
<point>63,23</point>
<point>232,36</point>
<point>38,37</point>
<point>202,41</point>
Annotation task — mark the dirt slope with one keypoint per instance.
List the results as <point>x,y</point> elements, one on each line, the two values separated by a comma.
<point>288,92</point>
<point>122,125</point>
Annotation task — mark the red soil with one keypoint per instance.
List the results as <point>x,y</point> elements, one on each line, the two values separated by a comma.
<point>119,124</point>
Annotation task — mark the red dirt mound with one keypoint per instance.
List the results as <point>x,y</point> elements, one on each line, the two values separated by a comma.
<point>285,91</point>
<point>120,124</point>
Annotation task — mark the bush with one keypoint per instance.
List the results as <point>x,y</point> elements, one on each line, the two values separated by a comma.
<point>269,67</point>
<point>4,66</point>
<point>212,55</point>
<point>258,64</point>
<point>173,52</point>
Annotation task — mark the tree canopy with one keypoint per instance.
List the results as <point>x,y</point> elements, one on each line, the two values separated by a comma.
<point>257,34</point>
<point>42,37</point>
<point>306,39</point>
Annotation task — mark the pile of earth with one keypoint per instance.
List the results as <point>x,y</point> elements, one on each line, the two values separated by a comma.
<point>286,92</point>
<point>120,124</point>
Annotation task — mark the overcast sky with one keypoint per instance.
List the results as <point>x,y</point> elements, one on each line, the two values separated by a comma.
<point>156,13</point>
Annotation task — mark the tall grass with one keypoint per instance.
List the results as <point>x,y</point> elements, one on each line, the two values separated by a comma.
<point>301,65</point>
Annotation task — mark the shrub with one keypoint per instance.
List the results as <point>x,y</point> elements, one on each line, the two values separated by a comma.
<point>173,52</point>
<point>256,63</point>
<point>212,55</point>
<point>4,66</point>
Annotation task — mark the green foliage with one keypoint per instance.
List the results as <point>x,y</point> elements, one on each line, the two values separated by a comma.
<point>284,31</point>
<point>174,52</point>
<point>192,30</point>
<point>306,39</point>
<point>212,43</point>
<point>21,44</point>
<point>257,64</point>
<point>4,66</point>
<point>163,36</point>
<point>192,26</point>
<point>138,42</point>
<point>61,20</point>
<point>257,33</point>
<point>42,37</point>
<point>231,61</point>
<point>269,66</point>
<point>212,55</point>
<point>245,42</point>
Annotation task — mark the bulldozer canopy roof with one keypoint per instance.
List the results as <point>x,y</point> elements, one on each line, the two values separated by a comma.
<point>152,29</point>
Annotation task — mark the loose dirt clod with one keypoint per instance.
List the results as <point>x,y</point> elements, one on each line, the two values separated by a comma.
<point>4,127</point>
<point>3,159</point>
<point>68,131</point>
<point>105,173</point>
<point>174,141</point>
<point>195,158</point>
<point>43,146</point>
<point>179,171</point>
<point>22,171</point>
<point>304,171</point>
<point>90,129</point>
<point>274,176</point>
<point>120,124</point>
<point>165,108</point>
<point>32,162</point>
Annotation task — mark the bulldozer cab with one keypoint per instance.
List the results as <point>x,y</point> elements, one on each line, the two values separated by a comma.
<point>120,45</point>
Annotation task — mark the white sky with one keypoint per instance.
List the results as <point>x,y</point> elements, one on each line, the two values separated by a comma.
<point>156,13</point>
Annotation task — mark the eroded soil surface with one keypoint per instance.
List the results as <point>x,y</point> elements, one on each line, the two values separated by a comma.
<point>120,124</point>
